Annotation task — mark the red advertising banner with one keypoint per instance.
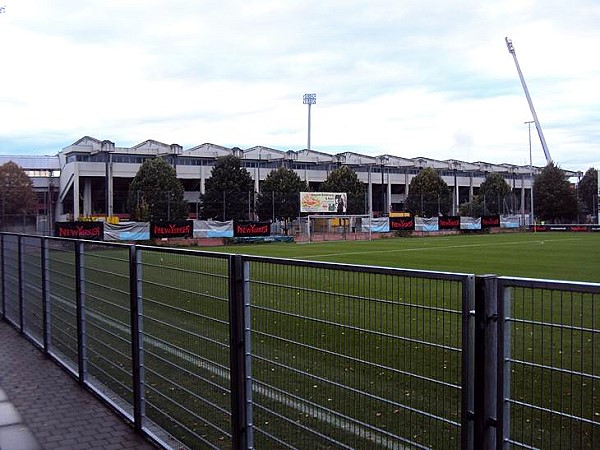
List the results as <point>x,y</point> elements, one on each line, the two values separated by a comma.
<point>249,229</point>
<point>572,228</point>
<point>449,223</point>
<point>159,230</point>
<point>490,221</point>
<point>402,223</point>
<point>80,230</point>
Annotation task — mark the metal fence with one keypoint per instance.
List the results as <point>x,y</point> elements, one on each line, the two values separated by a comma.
<point>207,350</point>
<point>549,364</point>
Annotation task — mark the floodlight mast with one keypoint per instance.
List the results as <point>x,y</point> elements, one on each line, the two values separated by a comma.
<point>511,50</point>
<point>309,99</point>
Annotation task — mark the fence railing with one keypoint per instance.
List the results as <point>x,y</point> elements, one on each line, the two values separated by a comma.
<point>200,349</point>
<point>549,361</point>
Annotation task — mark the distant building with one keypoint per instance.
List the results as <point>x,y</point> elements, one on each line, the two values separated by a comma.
<point>92,177</point>
<point>44,172</point>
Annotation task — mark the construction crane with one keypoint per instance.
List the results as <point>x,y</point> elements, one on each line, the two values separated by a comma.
<point>511,50</point>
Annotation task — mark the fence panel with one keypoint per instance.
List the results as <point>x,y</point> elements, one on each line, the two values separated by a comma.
<point>550,395</point>
<point>62,302</point>
<point>355,357</point>
<point>185,340</point>
<point>31,254</point>
<point>12,309</point>
<point>108,322</point>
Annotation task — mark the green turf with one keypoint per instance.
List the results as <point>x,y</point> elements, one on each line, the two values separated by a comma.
<point>561,256</point>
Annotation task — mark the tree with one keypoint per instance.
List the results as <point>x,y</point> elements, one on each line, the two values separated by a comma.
<point>554,198</point>
<point>344,179</point>
<point>16,191</point>
<point>156,194</point>
<point>588,191</point>
<point>428,194</point>
<point>227,191</point>
<point>492,193</point>
<point>279,196</point>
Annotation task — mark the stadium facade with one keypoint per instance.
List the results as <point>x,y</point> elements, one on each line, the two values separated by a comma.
<point>91,177</point>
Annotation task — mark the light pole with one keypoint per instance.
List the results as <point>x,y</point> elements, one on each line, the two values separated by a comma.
<point>309,99</point>
<point>598,196</point>
<point>531,174</point>
<point>383,160</point>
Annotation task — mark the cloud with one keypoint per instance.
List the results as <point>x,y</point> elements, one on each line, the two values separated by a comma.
<point>409,78</point>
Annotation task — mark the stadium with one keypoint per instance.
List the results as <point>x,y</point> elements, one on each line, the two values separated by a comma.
<point>91,177</point>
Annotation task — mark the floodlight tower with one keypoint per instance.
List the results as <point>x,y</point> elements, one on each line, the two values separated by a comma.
<point>309,99</point>
<point>531,216</point>
<point>511,50</point>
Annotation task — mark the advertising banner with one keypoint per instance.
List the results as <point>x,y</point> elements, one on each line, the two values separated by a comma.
<point>510,221</point>
<point>323,202</point>
<point>159,230</point>
<point>470,223</point>
<point>80,230</point>
<point>426,224</point>
<point>449,222</point>
<point>402,223</point>
<point>378,225</point>
<point>490,221</point>
<point>127,231</point>
<point>572,228</point>
<point>249,229</point>
<point>213,229</point>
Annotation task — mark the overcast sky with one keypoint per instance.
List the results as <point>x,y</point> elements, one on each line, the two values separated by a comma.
<point>428,78</point>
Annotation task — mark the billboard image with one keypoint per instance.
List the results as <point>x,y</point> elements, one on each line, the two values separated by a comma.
<point>323,202</point>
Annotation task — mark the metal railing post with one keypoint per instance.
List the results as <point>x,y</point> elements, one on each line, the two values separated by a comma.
<point>45,296</point>
<point>2,267</point>
<point>20,284</point>
<point>248,357</point>
<point>486,344</point>
<point>240,397</point>
<point>503,356</point>
<point>467,362</point>
<point>137,356</point>
<point>80,309</point>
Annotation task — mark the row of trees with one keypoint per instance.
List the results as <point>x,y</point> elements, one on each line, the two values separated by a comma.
<point>229,192</point>
<point>157,194</point>
<point>17,195</point>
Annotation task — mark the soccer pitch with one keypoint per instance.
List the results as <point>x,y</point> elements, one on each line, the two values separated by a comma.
<point>559,256</point>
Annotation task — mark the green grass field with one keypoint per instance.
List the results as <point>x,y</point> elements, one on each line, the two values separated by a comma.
<point>562,256</point>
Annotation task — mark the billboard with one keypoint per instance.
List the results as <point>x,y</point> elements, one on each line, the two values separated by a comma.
<point>323,202</point>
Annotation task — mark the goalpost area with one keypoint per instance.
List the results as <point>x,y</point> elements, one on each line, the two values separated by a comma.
<point>335,227</point>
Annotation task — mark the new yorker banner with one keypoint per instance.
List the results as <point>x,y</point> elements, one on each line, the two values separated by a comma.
<point>449,223</point>
<point>80,230</point>
<point>249,229</point>
<point>159,230</point>
<point>490,221</point>
<point>402,223</point>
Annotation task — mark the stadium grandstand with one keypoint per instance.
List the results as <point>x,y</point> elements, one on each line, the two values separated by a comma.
<point>91,177</point>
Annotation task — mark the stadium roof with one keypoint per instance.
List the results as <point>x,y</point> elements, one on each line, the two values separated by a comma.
<point>93,145</point>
